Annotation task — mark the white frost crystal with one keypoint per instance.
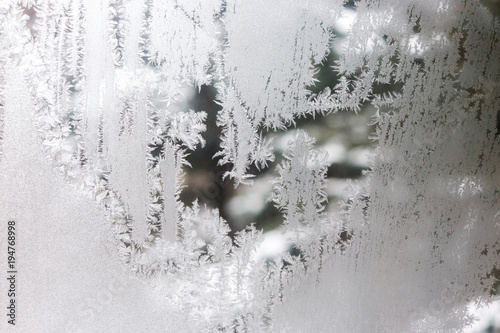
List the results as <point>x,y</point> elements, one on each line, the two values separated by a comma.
<point>93,153</point>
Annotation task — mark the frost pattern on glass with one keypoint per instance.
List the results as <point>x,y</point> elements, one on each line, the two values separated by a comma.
<point>183,37</point>
<point>300,190</point>
<point>265,87</point>
<point>418,238</point>
<point>13,37</point>
<point>424,224</point>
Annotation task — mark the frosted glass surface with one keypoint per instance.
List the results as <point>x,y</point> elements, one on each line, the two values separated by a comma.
<point>96,131</point>
<point>68,278</point>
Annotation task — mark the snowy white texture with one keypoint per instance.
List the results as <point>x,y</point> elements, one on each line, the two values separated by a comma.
<point>87,95</point>
<point>183,37</point>
<point>300,190</point>
<point>68,279</point>
<point>267,85</point>
<point>270,81</point>
<point>426,218</point>
<point>487,315</point>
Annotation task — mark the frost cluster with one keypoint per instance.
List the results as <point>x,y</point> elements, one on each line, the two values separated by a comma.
<point>92,86</point>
